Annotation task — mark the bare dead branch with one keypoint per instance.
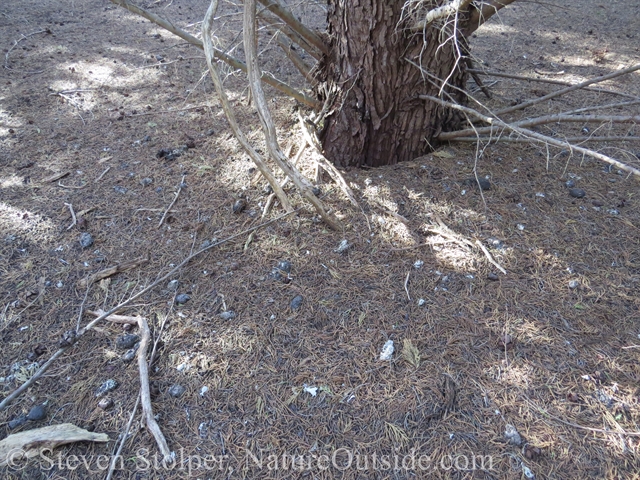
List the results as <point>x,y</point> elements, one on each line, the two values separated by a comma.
<point>493,73</point>
<point>527,140</point>
<point>218,54</point>
<point>337,177</point>
<point>533,135</point>
<point>253,73</point>
<point>296,59</point>
<point>557,93</point>
<point>480,14</point>
<point>287,17</point>
<point>532,122</point>
<point>231,118</point>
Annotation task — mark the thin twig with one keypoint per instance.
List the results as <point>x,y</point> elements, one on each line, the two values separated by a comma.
<point>116,456</point>
<point>102,175</point>
<point>71,187</point>
<point>406,283</point>
<point>527,140</point>
<point>17,392</point>
<point>174,201</point>
<point>489,257</point>
<point>15,44</point>
<point>73,216</point>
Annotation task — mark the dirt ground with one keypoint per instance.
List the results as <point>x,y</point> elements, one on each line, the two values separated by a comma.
<point>277,347</point>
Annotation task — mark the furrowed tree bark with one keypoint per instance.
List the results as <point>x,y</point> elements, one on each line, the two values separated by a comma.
<point>378,118</point>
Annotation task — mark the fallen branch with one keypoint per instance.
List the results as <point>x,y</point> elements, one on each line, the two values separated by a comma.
<point>174,201</point>
<point>531,134</point>
<point>490,257</point>
<point>116,456</point>
<point>218,54</point>
<point>73,216</point>
<point>108,272</point>
<point>15,44</point>
<point>18,391</point>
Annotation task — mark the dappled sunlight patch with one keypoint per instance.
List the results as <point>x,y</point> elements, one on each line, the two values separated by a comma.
<point>25,222</point>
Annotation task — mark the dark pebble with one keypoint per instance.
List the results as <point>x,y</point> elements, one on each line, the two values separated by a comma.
<point>126,341</point>
<point>296,302</point>
<point>577,192</point>
<point>493,277</point>
<point>37,413</point>
<point>570,184</point>
<point>130,354</point>
<point>176,390</point>
<point>239,206</point>
<point>106,387</point>
<point>105,403</point>
<point>146,181</point>
<point>484,183</point>
<point>17,422</point>
<point>182,298</point>
<point>597,203</point>
<point>316,191</point>
<point>119,189</point>
<point>281,271</point>
<point>86,240</point>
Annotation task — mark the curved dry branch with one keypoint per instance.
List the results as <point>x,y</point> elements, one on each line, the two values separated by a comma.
<point>494,139</point>
<point>287,17</point>
<point>442,11</point>
<point>220,55</point>
<point>253,73</point>
<point>231,118</point>
<point>533,135</point>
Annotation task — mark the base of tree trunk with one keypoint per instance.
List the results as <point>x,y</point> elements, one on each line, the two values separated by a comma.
<point>378,118</point>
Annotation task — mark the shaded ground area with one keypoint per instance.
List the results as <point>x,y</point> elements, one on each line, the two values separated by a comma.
<point>550,348</point>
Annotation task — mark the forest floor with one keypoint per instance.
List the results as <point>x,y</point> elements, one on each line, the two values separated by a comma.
<point>276,364</point>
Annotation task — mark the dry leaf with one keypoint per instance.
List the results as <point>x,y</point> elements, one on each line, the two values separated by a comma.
<point>410,353</point>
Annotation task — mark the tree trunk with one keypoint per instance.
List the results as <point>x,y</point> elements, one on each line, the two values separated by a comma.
<point>378,118</point>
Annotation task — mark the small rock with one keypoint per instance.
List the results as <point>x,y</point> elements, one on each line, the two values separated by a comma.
<point>17,422</point>
<point>573,284</point>
<point>126,341</point>
<point>146,181</point>
<point>239,205</point>
<point>421,302</point>
<point>176,390</point>
<point>86,240</point>
<point>120,189</point>
<point>506,341</point>
<point>418,264</point>
<point>484,183</point>
<point>597,203</point>
<point>228,315</point>
<point>281,271</point>
<point>387,350</point>
<point>577,192</point>
<point>570,183</point>
<point>296,302</point>
<point>173,285</point>
<point>130,354</point>
<point>316,191</point>
<point>204,390</point>
<point>182,298</point>
<point>106,387</point>
<point>205,244</point>
<point>512,435</point>
<point>493,277</point>
<point>37,413</point>
<point>105,403</point>
<point>343,247</point>
<point>531,452</point>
